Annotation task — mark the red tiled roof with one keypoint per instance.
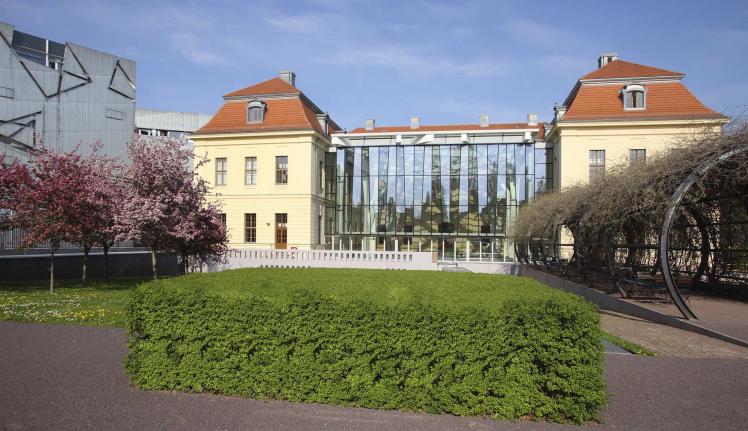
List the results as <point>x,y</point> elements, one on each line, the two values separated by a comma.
<point>625,69</point>
<point>271,86</point>
<point>666,100</point>
<point>447,127</point>
<point>291,113</point>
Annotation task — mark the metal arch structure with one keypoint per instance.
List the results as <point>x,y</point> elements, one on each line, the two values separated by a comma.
<point>699,239</point>
<point>667,225</point>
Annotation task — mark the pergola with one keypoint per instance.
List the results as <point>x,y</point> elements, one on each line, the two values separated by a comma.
<point>677,223</point>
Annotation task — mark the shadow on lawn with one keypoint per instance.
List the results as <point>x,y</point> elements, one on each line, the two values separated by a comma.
<point>126,283</point>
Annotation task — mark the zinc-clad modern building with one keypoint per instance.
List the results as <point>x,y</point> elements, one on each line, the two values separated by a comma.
<point>63,95</point>
<point>177,125</point>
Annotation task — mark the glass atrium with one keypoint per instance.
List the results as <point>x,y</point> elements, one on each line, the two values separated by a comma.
<point>455,195</point>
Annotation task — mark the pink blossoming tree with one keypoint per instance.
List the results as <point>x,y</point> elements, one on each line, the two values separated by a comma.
<point>165,207</point>
<point>102,201</point>
<point>45,198</point>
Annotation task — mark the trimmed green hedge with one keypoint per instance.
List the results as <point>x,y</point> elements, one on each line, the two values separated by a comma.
<point>531,356</point>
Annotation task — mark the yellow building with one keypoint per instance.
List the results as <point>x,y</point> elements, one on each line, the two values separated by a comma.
<point>285,183</point>
<point>621,113</point>
<point>266,147</point>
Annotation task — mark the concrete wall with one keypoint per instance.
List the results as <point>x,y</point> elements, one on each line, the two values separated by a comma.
<point>301,198</point>
<point>489,267</point>
<point>68,266</point>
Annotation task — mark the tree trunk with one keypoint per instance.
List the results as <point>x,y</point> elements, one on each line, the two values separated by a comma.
<point>84,272</point>
<point>153,262</point>
<point>106,263</point>
<point>52,271</point>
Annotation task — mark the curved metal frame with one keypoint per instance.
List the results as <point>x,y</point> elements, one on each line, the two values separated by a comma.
<point>527,252</point>
<point>667,225</point>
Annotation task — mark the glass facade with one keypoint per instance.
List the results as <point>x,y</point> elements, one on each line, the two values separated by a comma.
<point>454,199</point>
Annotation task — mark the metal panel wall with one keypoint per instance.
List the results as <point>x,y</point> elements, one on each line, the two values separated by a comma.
<point>90,97</point>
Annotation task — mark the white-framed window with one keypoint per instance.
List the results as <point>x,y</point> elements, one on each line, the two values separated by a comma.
<point>250,227</point>
<point>637,155</point>
<point>221,171</point>
<point>281,169</point>
<point>250,171</point>
<point>634,97</point>
<point>597,165</point>
<point>255,112</point>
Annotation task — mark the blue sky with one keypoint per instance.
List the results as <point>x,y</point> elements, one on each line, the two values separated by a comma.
<point>445,61</point>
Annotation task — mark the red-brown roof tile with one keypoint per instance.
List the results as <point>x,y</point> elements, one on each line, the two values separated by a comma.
<point>625,69</point>
<point>290,113</point>
<point>666,100</point>
<point>271,86</point>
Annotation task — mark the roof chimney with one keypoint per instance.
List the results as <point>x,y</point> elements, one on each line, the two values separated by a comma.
<point>323,121</point>
<point>605,58</point>
<point>415,122</point>
<point>288,76</point>
<point>369,124</point>
<point>484,120</point>
<point>532,119</point>
<point>559,111</point>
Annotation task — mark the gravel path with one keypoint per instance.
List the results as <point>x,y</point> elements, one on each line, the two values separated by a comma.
<point>71,377</point>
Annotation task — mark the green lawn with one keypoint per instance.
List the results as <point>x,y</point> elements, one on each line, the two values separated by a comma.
<point>100,304</point>
<point>96,304</point>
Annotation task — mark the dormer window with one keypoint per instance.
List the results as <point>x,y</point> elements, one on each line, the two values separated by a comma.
<point>255,112</point>
<point>634,97</point>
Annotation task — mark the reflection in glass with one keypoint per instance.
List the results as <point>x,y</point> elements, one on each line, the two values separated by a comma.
<point>434,194</point>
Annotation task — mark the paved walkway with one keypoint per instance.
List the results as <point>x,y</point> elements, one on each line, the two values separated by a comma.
<point>724,315</point>
<point>669,341</point>
<point>71,377</point>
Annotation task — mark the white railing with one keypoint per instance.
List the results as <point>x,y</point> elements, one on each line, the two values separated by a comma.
<point>256,258</point>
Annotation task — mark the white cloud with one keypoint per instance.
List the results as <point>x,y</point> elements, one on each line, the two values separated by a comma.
<point>313,23</point>
<point>192,48</point>
<point>409,62</point>
<point>352,41</point>
<point>467,109</point>
<point>566,64</point>
<point>533,32</point>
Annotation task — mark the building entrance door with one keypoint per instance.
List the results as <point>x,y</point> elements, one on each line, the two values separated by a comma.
<point>281,230</point>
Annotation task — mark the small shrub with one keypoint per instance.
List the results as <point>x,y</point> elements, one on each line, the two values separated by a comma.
<point>530,356</point>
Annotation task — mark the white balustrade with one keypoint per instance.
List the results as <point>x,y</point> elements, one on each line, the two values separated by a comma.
<point>255,258</point>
